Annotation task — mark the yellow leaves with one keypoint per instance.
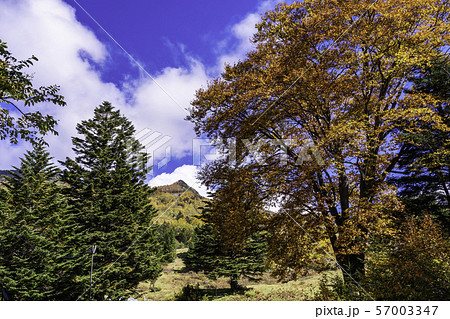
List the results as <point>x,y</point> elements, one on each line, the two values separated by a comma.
<point>334,72</point>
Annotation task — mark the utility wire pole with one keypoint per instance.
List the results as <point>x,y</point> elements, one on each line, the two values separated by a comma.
<point>4,294</point>
<point>92,269</point>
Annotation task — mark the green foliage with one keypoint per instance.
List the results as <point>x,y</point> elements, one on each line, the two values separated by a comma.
<point>34,224</point>
<point>334,288</point>
<point>203,251</point>
<point>184,234</point>
<point>17,87</point>
<point>111,206</point>
<point>414,265</point>
<point>166,238</point>
<point>209,253</point>
<point>425,165</point>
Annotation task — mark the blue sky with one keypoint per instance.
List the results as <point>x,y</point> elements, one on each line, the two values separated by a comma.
<point>179,46</point>
<point>153,31</point>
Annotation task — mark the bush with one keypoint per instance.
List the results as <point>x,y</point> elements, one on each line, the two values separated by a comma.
<point>191,293</point>
<point>413,266</point>
<point>333,288</point>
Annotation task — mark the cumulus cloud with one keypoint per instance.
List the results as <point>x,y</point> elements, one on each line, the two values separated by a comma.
<point>165,110</point>
<point>71,55</point>
<point>186,173</point>
<point>49,30</point>
<point>242,33</point>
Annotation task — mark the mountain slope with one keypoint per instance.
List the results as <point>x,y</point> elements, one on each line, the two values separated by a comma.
<point>178,206</point>
<point>177,203</point>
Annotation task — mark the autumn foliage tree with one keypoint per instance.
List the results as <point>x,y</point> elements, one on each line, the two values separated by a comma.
<point>330,77</point>
<point>412,266</point>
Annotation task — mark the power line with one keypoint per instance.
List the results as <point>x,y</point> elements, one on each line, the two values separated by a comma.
<point>92,270</point>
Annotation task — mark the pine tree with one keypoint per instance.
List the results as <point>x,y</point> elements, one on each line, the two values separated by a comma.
<point>209,253</point>
<point>34,225</point>
<point>166,237</point>
<point>111,206</point>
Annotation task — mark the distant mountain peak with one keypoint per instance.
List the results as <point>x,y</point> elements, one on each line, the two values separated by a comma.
<point>179,202</point>
<point>178,188</point>
<point>182,183</point>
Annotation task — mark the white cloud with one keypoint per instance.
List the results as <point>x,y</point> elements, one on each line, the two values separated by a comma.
<point>49,29</point>
<point>186,173</point>
<point>242,32</point>
<point>165,111</point>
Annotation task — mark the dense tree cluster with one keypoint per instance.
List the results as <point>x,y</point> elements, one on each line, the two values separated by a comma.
<point>35,214</point>
<point>210,254</point>
<point>51,219</point>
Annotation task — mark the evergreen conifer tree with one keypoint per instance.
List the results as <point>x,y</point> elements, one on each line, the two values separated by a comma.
<point>34,226</point>
<point>209,253</point>
<point>166,237</point>
<point>111,206</point>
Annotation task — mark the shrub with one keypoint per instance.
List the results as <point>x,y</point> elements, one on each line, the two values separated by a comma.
<point>413,266</point>
<point>333,288</point>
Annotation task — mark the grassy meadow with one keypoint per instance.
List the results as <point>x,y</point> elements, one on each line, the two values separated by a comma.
<point>170,286</point>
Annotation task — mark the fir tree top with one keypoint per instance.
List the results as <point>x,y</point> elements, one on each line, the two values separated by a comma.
<point>110,137</point>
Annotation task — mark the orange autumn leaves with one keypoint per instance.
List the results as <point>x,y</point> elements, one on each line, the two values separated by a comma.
<point>335,73</point>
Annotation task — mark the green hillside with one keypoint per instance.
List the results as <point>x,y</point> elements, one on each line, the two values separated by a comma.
<point>177,202</point>
<point>179,205</point>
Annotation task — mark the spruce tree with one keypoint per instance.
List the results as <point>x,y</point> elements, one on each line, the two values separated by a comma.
<point>34,225</point>
<point>209,253</point>
<point>166,237</point>
<point>111,206</point>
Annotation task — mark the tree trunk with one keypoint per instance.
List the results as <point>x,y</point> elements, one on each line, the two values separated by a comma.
<point>352,267</point>
<point>234,282</point>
